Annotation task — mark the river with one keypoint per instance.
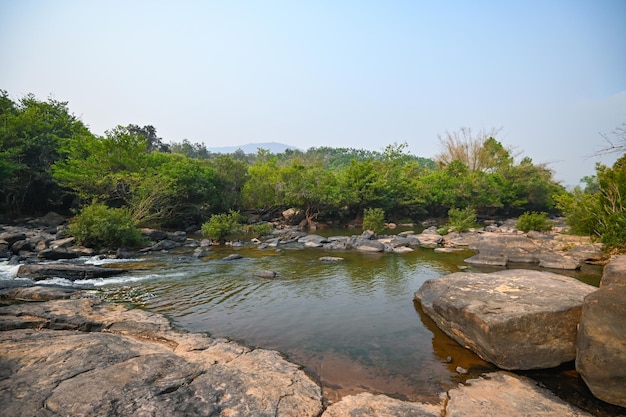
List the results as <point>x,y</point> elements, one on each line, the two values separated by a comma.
<point>352,324</point>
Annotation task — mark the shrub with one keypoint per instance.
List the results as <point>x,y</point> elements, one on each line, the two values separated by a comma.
<point>532,220</point>
<point>261,229</point>
<point>220,226</point>
<point>100,226</point>
<point>374,220</point>
<point>460,220</point>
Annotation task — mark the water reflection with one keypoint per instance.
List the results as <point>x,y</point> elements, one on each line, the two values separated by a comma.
<point>352,324</point>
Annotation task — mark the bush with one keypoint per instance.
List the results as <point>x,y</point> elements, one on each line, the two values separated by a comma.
<point>100,226</point>
<point>532,220</point>
<point>374,220</point>
<point>460,220</point>
<point>258,230</point>
<point>220,226</point>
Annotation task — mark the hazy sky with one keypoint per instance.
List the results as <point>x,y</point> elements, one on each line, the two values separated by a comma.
<point>361,74</point>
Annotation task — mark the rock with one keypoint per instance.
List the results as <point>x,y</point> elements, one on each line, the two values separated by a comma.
<point>614,272</point>
<point>429,238</point>
<point>369,246</point>
<point>40,272</point>
<point>56,254</point>
<point>178,236</point>
<point>556,260</point>
<point>487,260</point>
<point>153,234</point>
<point>293,216</point>
<point>461,370</point>
<point>24,245</point>
<point>140,366</point>
<point>201,252</point>
<point>12,237</point>
<point>590,253</point>
<point>51,219</point>
<point>601,359</point>
<point>369,405</point>
<point>232,257</point>
<point>505,394</point>
<point>367,235</point>
<point>165,244</point>
<point>403,249</point>
<point>41,293</point>
<point>312,240</point>
<point>331,259</point>
<point>512,247</point>
<point>62,243</point>
<point>516,319</point>
<point>267,274</point>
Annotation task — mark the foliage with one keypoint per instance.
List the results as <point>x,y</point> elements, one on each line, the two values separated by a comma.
<point>600,209</point>
<point>221,226</point>
<point>100,226</point>
<point>31,133</point>
<point>374,219</point>
<point>460,220</point>
<point>119,169</point>
<point>49,159</point>
<point>259,230</point>
<point>532,220</point>
<point>478,152</point>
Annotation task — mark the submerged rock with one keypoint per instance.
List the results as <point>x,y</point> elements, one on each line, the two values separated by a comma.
<point>516,319</point>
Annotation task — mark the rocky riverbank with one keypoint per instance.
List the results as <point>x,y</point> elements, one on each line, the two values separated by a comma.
<point>130,362</point>
<point>75,355</point>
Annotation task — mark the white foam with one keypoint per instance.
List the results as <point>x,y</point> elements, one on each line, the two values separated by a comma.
<point>8,271</point>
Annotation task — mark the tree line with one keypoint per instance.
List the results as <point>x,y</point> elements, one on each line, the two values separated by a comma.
<point>49,160</point>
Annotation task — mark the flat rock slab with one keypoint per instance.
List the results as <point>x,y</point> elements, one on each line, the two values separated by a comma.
<point>516,319</point>
<point>132,363</point>
<point>501,394</point>
<point>369,405</point>
<point>38,272</point>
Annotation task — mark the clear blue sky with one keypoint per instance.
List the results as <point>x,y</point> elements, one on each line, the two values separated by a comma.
<point>360,74</point>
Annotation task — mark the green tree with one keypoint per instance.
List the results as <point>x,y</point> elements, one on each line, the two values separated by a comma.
<point>600,211</point>
<point>309,187</point>
<point>31,133</point>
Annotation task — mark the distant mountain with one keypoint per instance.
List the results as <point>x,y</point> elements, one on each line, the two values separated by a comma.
<point>273,147</point>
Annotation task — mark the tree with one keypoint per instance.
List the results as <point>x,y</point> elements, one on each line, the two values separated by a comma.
<point>309,187</point>
<point>616,141</point>
<point>31,134</point>
<point>600,212</point>
<point>478,152</point>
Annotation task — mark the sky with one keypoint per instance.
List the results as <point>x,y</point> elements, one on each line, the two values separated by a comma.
<point>358,74</point>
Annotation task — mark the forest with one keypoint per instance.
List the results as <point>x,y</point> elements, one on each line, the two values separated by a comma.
<point>51,161</point>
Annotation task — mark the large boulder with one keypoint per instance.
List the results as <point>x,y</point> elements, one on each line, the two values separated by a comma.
<point>140,366</point>
<point>601,358</point>
<point>614,272</point>
<point>516,319</point>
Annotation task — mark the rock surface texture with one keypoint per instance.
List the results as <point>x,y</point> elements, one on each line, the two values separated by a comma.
<point>501,394</point>
<point>601,343</point>
<point>111,361</point>
<point>516,319</point>
<point>614,272</point>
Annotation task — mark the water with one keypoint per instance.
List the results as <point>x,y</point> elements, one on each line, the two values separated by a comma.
<point>352,325</point>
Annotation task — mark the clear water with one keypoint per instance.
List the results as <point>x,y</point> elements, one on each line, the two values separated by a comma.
<point>353,325</point>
